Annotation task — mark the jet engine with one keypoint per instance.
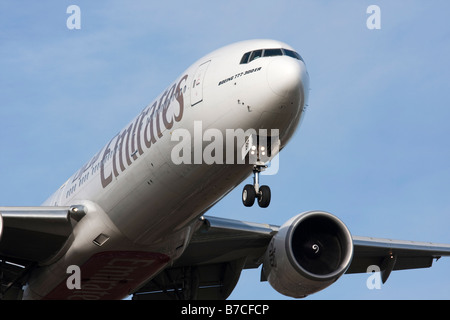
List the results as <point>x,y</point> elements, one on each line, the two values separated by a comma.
<point>309,252</point>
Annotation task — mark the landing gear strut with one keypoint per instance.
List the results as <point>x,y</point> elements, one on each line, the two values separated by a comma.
<point>252,192</point>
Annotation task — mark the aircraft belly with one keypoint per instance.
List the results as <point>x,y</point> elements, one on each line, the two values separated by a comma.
<point>112,275</point>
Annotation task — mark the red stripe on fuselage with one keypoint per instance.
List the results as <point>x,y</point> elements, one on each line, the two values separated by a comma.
<point>111,275</point>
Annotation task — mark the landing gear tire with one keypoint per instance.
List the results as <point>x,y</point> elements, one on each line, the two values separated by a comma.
<point>264,196</point>
<point>248,195</point>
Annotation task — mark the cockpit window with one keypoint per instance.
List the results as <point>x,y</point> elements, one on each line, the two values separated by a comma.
<point>252,55</point>
<point>244,59</point>
<point>292,54</point>
<point>272,52</point>
<point>255,55</point>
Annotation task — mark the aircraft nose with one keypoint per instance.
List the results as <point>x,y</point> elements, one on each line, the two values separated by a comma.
<point>287,76</point>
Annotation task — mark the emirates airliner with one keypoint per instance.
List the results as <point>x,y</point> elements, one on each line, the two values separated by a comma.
<point>131,220</point>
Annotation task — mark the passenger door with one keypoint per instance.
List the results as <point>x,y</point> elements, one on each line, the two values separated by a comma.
<point>197,84</point>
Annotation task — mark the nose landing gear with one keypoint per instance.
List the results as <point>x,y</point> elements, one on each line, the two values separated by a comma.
<point>252,192</point>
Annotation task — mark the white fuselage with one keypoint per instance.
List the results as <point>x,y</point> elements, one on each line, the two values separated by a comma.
<point>142,205</point>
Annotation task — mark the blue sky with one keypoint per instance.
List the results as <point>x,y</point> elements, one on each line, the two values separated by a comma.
<point>373,148</point>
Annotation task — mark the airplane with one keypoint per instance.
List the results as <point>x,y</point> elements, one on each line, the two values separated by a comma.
<point>131,220</point>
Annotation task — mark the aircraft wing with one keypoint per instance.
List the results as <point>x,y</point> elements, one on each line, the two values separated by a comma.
<point>221,248</point>
<point>391,255</point>
<point>29,236</point>
<point>212,263</point>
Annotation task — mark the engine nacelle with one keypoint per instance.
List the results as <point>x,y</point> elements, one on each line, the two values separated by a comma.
<point>309,252</point>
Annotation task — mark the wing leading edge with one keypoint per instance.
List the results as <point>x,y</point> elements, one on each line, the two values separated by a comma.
<point>29,236</point>
<point>222,248</point>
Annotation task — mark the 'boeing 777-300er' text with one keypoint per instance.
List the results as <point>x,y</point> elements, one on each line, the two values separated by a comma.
<point>131,220</point>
